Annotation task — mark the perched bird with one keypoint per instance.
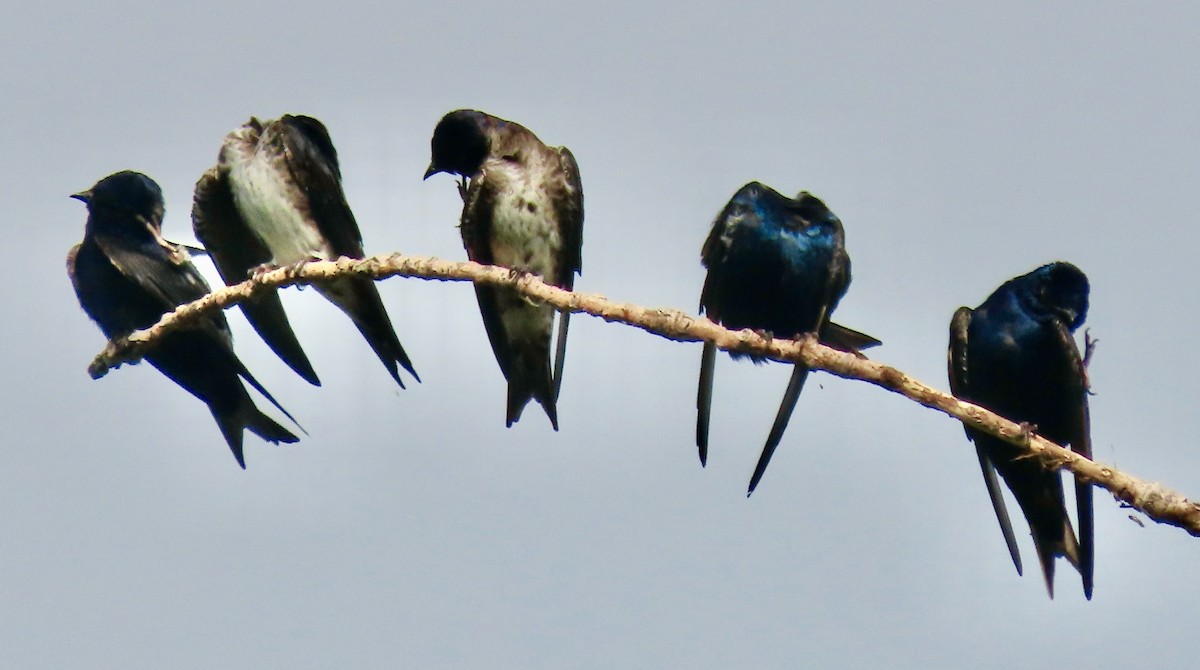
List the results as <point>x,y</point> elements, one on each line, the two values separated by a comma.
<point>522,209</point>
<point>1015,355</point>
<point>779,265</point>
<point>127,276</point>
<point>275,199</point>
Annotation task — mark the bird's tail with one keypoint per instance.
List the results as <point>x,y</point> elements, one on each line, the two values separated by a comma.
<point>790,396</point>
<point>359,299</point>
<point>265,314</point>
<point>1058,540</point>
<point>249,417</point>
<point>708,359</point>
<point>530,379</point>
<point>846,339</point>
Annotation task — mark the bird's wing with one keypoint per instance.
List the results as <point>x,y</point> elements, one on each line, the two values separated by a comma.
<point>475,227</point>
<point>1079,427</point>
<point>846,339</point>
<point>71,256</point>
<point>236,251</point>
<point>570,220</point>
<point>959,384</point>
<point>313,164</point>
<point>476,222</point>
<point>786,407</point>
<point>708,359</point>
<point>162,270</point>
<point>712,256</point>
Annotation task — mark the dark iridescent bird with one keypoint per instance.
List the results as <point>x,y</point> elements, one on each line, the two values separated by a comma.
<point>127,276</point>
<point>779,265</point>
<point>275,199</point>
<point>1015,355</point>
<point>522,209</point>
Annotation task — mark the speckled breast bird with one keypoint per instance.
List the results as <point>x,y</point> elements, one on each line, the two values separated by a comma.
<point>1016,355</point>
<point>127,276</point>
<point>775,264</point>
<point>275,199</point>
<point>522,209</point>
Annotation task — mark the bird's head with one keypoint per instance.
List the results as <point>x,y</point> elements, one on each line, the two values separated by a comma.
<point>459,145</point>
<point>125,197</point>
<point>809,214</point>
<point>1061,289</point>
<point>805,215</point>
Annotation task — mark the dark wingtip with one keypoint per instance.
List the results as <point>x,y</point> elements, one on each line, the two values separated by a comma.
<point>302,368</point>
<point>1047,560</point>
<point>430,172</point>
<point>708,357</point>
<point>238,454</point>
<point>551,413</point>
<point>758,473</point>
<point>396,375</point>
<point>409,366</point>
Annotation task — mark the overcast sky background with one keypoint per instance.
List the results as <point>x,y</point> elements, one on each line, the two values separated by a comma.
<point>960,146</point>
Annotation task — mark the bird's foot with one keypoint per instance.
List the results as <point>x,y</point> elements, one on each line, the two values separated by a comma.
<point>294,269</point>
<point>1089,348</point>
<point>519,273</point>
<point>462,188</point>
<point>1028,430</point>
<point>258,271</point>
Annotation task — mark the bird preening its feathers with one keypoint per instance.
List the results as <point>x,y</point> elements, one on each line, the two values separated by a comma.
<point>275,199</point>
<point>775,264</point>
<point>522,209</point>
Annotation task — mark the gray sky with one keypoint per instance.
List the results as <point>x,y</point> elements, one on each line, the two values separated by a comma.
<point>960,146</point>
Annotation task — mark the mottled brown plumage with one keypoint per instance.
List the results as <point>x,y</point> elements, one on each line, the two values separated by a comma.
<point>523,209</point>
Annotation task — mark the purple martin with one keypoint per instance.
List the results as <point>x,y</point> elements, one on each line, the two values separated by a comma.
<point>522,209</point>
<point>1016,355</point>
<point>127,276</point>
<point>779,265</point>
<point>275,199</point>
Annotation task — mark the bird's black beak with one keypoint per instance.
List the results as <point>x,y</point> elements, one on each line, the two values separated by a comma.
<point>430,172</point>
<point>83,196</point>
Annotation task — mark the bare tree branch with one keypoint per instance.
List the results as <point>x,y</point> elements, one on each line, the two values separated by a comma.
<point>1154,500</point>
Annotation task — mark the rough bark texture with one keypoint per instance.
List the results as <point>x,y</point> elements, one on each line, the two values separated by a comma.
<point>1154,500</point>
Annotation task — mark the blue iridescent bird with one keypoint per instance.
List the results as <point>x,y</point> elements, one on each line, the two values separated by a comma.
<point>127,276</point>
<point>522,209</point>
<point>1016,355</point>
<point>779,265</point>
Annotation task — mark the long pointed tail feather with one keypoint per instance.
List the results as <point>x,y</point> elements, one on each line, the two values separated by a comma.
<point>560,350</point>
<point>359,299</point>
<point>790,396</point>
<point>997,497</point>
<point>708,359</point>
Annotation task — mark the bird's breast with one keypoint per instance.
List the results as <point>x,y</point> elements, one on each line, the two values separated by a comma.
<point>525,233</point>
<point>275,208</point>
